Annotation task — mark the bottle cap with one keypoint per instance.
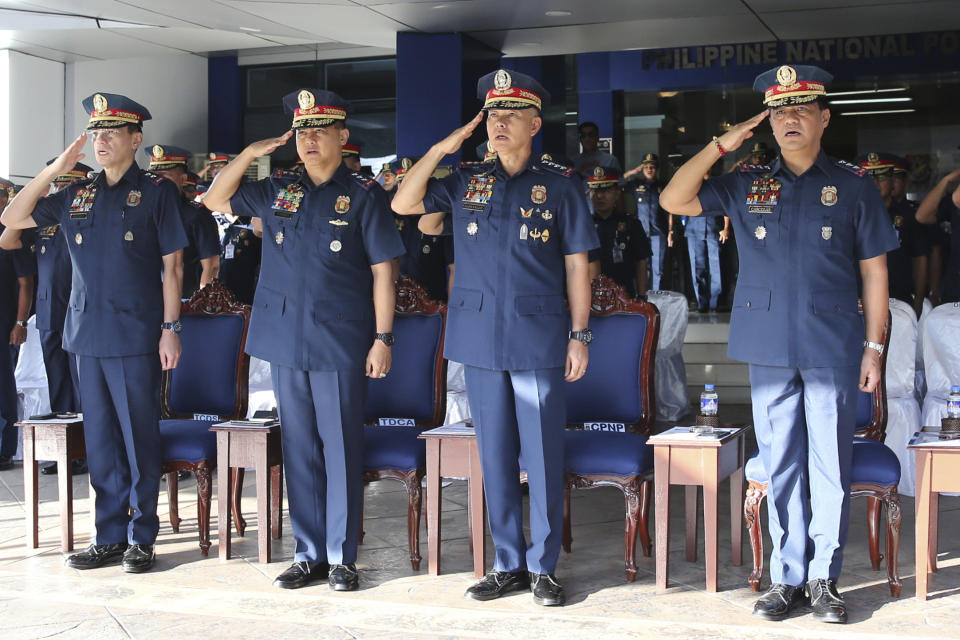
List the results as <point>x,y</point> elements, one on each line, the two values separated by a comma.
<point>955,388</point>
<point>710,387</point>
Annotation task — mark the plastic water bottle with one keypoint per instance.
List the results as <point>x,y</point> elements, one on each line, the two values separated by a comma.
<point>710,402</point>
<point>953,402</point>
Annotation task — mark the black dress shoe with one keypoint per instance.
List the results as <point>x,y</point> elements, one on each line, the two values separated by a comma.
<point>547,591</point>
<point>6,463</point>
<point>778,601</point>
<point>48,468</point>
<point>139,558</point>
<point>96,555</point>
<point>497,583</point>
<point>300,574</point>
<point>79,466</point>
<point>344,577</point>
<point>825,601</point>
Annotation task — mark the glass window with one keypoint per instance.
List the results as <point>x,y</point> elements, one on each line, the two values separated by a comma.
<point>266,85</point>
<point>358,80</point>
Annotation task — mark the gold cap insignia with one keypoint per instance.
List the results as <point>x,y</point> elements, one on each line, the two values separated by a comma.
<point>502,80</point>
<point>599,173</point>
<point>873,157</point>
<point>99,102</point>
<point>305,99</point>
<point>406,163</point>
<point>212,156</point>
<point>157,151</point>
<point>545,157</point>
<point>786,75</point>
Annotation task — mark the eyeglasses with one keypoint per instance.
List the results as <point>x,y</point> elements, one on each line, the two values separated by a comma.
<point>105,134</point>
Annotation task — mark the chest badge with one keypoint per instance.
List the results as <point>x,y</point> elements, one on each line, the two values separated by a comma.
<point>400,222</point>
<point>478,193</point>
<point>128,236</point>
<point>278,238</point>
<point>828,196</point>
<point>538,194</point>
<point>288,201</point>
<point>43,249</point>
<point>472,228</point>
<point>134,198</point>
<point>898,221</point>
<point>546,215</point>
<point>78,238</point>
<point>764,195</point>
<point>426,248</point>
<point>82,203</point>
<point>760,232</point>
<point>336,246</point>
<point>526,213</point>
<point>342,205</point>
<point>545,235</point>
<point>523,232</point>
<point>338,222</point>
<point>826,232</point>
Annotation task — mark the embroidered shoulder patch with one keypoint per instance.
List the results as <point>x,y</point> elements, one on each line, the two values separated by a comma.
<point>366,182</point>
<point>556,167</point>
<point>754,168</point>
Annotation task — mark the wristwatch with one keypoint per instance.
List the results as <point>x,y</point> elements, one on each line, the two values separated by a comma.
<point>22,323</point>
<point>585,336</point>
<point>876,346</point>
<point>386,338</point>
<point>174,326</point>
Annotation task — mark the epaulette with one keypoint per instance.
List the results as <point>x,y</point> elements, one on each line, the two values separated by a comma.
<point>556,167</point>
<point>153,177</point>
<point>469,164</point>
<point>193,203</point>
<point>285,174</point>
<point>366,182</point>
<point>852,168</point>
<point>755,168</point>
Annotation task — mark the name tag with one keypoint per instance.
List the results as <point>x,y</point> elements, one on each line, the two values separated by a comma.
<point>206,417</point>
<point>605,426</point>
<point>397,422</point>
<point>228,251</point>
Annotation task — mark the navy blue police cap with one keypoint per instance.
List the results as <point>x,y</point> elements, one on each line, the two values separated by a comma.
<point>603,178</point>
<point>502,89</point>
<point>79,172</point>
<point>166,156</point>
<point>112,110</point>
<point>788,84</point>
<point>876,164</point>
<point>314,108</point>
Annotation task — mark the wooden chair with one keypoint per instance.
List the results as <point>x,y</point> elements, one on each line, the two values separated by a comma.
<point>411,399</point>
<point>209,385</point>
<point>874,474</point>
<point>617,393</point>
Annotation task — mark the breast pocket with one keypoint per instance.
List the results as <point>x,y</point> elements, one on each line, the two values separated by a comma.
<point>471,226</point>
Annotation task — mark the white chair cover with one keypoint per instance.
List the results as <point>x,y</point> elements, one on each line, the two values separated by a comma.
<point>941,358</point>
<point>670,374</point>
<point>31,376</point>
<point>921,379</point>
<point>902,357</point>
<point>903,420</point>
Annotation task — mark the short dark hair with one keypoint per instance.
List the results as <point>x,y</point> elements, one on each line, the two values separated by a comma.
<point>588,123</point>
<point>134,128</point>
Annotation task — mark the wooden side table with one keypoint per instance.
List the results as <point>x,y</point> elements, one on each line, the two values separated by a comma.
<point>683,458</point>
<point>452,452</point>
<point>60,440</point>
<point>938,469</point>
<point>250,446</point>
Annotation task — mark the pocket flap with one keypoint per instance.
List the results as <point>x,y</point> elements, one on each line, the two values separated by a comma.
<point>466,299</point>
<point>752,298</point>
<point>328,311</point>
<point>43,294</point>
<point>269,300</point>
<point>835,302</point>
<point>534,305</point>
<point>78,299</point>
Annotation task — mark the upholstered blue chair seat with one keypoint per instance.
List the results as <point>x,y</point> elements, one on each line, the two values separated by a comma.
<point>393,448</point>
<point>187,440</point>
<point>607,453</point>
<point>873,463</point>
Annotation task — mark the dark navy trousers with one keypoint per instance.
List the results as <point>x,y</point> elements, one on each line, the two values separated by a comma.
<point>704,251</point>
<point>804,421</point>
<point>121,426</point>
<point>521,415</point>
<point>322,438</point>
<point>9,434</point>
<point>61,368</point>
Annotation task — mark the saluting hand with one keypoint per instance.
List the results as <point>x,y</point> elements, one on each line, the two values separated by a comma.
<point>734,137</point>
<point>268,146</point>
<point>67,160</point>
<point>452,143</point>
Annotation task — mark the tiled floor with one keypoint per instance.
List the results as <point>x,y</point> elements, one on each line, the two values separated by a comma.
<point>191,596</point>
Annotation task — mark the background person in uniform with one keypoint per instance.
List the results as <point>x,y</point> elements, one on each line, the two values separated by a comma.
<point>521,232</point>
<point>590,156</point>
<point>351,156</point>
<point>941,207</point>
<point>240,255</point>
<point>216,160</point>
<point>704,235</point>
<point>124,231</point>
<point>915,238</point>
<point>201,257</point>
<point>624,247</point>
<point>17,269</point>
<point>807,224</point>
<point>646,190</point>
<point>322,317</point>
<point>189,189</point>
<point>54,274</point>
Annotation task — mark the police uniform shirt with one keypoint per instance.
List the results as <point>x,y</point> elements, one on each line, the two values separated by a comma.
<point>14,264</point>
<point>204,242</point>
<point>425,258</point>
<point>511,233</point>
<point>948,219</point>
<point>54,273</point>
<point>800,239</point>
<point>623,243</point>
<point>240,259</point>
<point>914,241</point>
<point>117,237</point>
<point>313,308</point>
<point>651,215</point>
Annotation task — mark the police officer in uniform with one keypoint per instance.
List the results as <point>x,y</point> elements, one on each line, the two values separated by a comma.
<point>521,230</point>
<point>807,224</point>
<point>941,207</point>
<point>388,178</point>
<point>426,258</point>
<point>201,258</point>
<point>322,317</point>
<point>54,273</point>
<point>351,156</point>
<point>189,189</point>
<point>646,189</point>
<point>624,247</point>
<point>17,269</point>
<point>216,160</point>
<point>123,231</point>
<point>240,255</point>
<point>704,235</point>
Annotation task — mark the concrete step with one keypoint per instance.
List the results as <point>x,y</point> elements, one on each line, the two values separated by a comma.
<point>735,374</point>
<point>706,353</point>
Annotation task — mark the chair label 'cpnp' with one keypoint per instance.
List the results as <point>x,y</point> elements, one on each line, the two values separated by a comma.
<point>605,426</point>
<point>206,417</point>
<point>397,422</point>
